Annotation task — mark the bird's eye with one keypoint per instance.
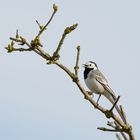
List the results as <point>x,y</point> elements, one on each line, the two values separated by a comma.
<point>90,65</point>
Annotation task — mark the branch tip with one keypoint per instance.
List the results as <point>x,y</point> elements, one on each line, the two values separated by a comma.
<point>78,48</point>
<point>43,28</point>
<point>55,8</point>
<point>17,35</point>
<point>76,68</point>
<point>66,31</point>
<point>71,28</point>
<point>110,130</point>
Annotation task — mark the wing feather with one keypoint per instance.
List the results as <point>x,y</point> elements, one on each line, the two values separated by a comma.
<point>101,79</point>
<point>105,84</point>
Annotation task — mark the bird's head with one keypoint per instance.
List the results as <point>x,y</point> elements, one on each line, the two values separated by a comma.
<point>90,65</point>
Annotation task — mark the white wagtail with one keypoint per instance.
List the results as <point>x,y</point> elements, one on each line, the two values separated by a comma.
<point>98,84</point>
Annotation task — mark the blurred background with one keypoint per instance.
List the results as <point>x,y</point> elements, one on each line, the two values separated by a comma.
<point>39,101</point>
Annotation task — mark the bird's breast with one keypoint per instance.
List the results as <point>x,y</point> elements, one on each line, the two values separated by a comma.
<point>94,86</point>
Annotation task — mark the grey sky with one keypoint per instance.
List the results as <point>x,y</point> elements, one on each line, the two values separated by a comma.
<point>38,101</point>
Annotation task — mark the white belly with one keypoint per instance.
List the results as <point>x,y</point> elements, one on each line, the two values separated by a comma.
<point>94,86</point>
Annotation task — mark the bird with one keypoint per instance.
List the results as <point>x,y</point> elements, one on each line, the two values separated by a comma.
<point>98,84</point>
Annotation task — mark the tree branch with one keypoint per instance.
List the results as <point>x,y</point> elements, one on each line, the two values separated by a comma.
<point>77,61</point>
<point>43,28</point>
<point>118,136</point>
<point>110,130</point>
<point>66,32</point>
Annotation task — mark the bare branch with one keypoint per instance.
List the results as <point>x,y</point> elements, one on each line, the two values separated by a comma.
<point>122,133</point>
<point>111,124</point>
<point>30,48</point>
<point>40,26</point>
<point>55,8</point>
<point>131,135</point>
<point>123,114</point>
<point>118,136</point>
<point>110,130</point>
<point>77,61</point>
<point>66,31</point>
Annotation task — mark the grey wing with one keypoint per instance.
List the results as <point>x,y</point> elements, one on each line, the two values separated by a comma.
<point>102,80</point>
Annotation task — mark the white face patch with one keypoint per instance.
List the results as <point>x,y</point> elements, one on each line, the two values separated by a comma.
<point>91,65</point>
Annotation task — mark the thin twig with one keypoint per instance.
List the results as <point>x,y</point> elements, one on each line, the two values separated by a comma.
<point>66,31</point>
<point>40,27</point>
<point>118,136</point>
<point>44,27</point>
<point>77,61</point>
<point>116,127</point>
<point>124,116</point>
<point>38,50</point>
<point>22,49</point>
<point>110,130</point>
<point>111,124</point>
<point>122,133</point>
<point>131,135</point>
<point>124,136</point>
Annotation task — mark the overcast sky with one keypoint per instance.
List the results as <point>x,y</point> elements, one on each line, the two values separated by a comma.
<point>40,102</point>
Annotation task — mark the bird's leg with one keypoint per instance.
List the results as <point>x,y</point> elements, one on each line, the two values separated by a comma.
<point>98,99</point>
<point>90,93</point>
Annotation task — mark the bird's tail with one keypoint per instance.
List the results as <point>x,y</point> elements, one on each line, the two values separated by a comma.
<point>112,100</point>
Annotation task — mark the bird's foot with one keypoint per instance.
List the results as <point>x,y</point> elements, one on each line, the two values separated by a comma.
<point>90,94</point>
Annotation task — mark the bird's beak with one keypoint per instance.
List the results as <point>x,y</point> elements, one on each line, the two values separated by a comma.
<point>84,65</point>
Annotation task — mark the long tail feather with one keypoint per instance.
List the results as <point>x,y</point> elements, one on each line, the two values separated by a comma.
<point>112,100</point>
